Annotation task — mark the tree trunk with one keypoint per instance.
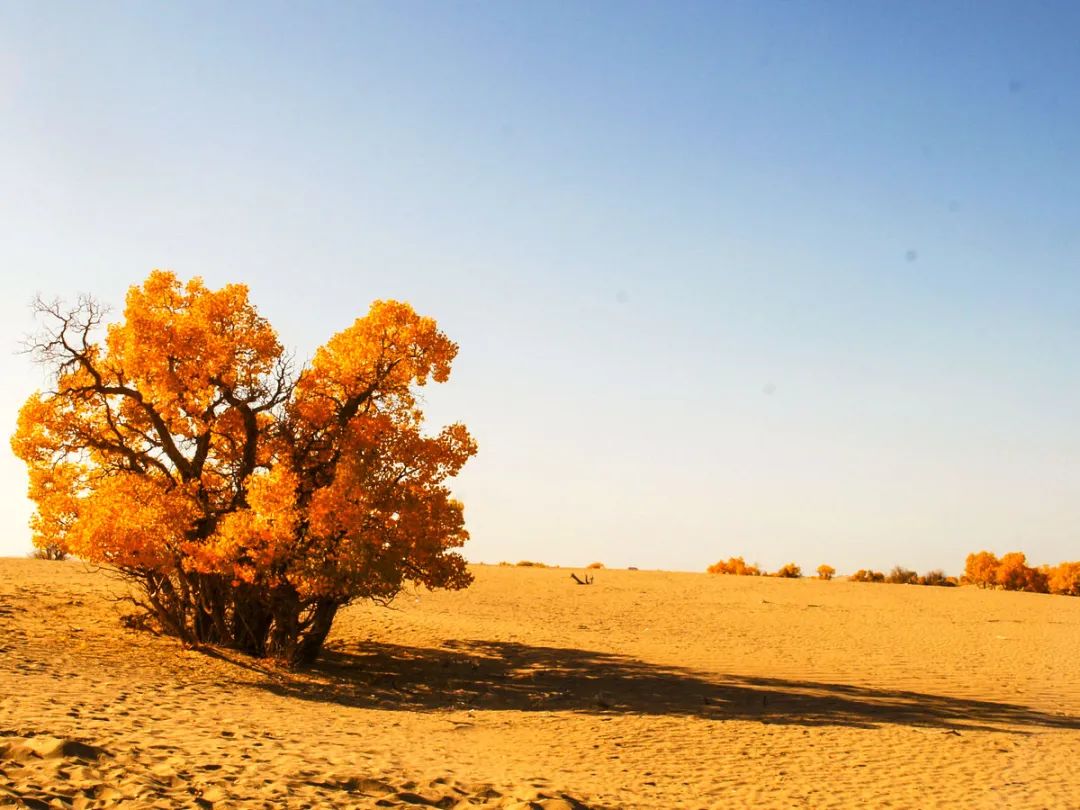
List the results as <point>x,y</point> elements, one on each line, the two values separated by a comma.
<point>285,626</point>
<point>310,643</point>
<point>250,622</point>
<point>210,609</point>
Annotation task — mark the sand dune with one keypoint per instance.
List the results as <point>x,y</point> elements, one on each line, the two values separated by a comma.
<point>646,689</point>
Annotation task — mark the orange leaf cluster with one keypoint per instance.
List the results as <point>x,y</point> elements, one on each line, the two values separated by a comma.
<point>734,566</point>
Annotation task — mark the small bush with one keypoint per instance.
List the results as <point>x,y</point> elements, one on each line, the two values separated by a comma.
<point>862,575</point>
<point>902,576</point>
<point>825,572</point>
<point>49,551</point>
<point>596,565</point>
<point>938,578</point>
<point>735,566</point>
<point>531,564</point>
<point>789,571</point>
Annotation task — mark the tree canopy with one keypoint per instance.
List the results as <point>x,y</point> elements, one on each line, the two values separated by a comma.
<point>248,499</point>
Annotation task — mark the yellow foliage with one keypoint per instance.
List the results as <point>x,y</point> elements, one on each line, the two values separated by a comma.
<point>1010,573</point>
<point>826,572</point>
<point>980,569</point>
<point>1014,574</point>
<point>183,451</point>
<point>735,566</point>
<point>1065,579</point>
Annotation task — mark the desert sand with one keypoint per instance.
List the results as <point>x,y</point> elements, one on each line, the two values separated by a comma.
<point>645,689</point>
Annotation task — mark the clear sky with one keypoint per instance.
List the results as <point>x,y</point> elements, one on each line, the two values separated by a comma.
<point>793,281</point>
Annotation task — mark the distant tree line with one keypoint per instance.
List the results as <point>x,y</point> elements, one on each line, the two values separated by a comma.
<point>1012,573</point>
<point>905,576</point>
<point>982,569</point>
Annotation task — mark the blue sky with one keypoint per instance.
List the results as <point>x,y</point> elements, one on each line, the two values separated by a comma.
<point>786,280</point>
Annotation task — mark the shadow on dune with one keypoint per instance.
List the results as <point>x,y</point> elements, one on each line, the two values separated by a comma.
<point>494,676</point>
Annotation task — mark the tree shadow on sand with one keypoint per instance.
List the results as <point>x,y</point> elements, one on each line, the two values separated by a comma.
<point>499,675</point>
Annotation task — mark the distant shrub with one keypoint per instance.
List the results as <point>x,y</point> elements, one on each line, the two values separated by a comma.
<point>1011,571</point>
<point>49,551</point>
<point>980,569</point>
<point>735,566</point>
<point>596,565</point>
<point>826,572</point>
<point>531,564</point>
<point>862,575</point>
<point>1014,574</point>
<point>938,578</point>
<point>789,571</point>
<point>1064,578</point>
<point>504,564</point>
<point>902,576</point>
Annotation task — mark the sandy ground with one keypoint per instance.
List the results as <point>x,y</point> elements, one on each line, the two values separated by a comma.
<point>646,689</point>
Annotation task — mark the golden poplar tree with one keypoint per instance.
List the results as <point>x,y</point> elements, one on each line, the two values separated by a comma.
<point>247,499</point>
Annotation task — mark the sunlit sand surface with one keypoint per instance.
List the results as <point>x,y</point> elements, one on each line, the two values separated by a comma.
<point>645,689</point>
